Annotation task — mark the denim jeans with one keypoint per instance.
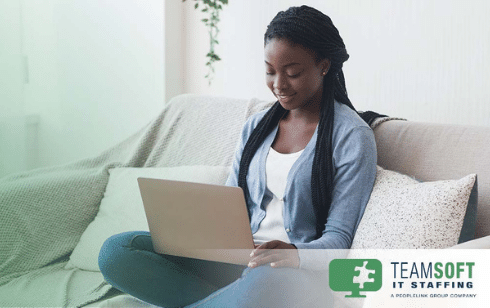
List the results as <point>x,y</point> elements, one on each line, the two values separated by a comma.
<point>129,263</point>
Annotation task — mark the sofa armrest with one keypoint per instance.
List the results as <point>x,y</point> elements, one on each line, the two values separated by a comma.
<point>479,243</point>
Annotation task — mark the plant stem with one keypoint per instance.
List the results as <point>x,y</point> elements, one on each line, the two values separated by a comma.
<point>212,7</point>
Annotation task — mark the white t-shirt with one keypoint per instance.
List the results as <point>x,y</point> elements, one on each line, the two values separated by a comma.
<point>277,169</point>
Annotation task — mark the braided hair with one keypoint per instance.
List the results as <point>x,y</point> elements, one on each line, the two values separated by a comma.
<point>313,30</point>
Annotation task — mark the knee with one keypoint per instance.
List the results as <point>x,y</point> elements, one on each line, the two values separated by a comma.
<point>113,249</point>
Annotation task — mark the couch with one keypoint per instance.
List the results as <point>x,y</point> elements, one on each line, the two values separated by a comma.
<point>46,212</point>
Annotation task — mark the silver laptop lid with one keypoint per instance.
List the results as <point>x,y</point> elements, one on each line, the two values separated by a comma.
<point>197,220</point>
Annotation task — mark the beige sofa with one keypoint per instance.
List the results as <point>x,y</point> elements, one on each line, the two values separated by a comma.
<point>432,152</point>
<point>46,211</point>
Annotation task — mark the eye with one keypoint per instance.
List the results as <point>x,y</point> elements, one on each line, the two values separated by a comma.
<point>294,73</point>
<point>269,73</point>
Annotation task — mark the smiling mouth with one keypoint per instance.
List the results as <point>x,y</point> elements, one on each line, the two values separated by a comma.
<point>284,97</point>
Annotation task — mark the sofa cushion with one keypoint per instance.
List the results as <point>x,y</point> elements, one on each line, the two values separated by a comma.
<point>432,152</point>
<point>404,213</point>
<point>122,210</point>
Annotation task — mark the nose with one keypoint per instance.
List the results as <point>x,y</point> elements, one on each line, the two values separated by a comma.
<point>281,82</point>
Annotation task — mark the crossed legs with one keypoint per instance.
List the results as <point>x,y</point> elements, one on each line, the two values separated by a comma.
<point>129,263</point>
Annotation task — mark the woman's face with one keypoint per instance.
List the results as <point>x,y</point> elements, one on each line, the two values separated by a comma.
<point>293,75</point>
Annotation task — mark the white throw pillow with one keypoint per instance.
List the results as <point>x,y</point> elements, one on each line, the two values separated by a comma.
<point>403,213</point>
<point>121,208</point>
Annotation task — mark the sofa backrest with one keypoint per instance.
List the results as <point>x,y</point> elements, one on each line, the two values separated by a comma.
<point>430,152</point>
<point>204,129</point>
<point>201,130</point>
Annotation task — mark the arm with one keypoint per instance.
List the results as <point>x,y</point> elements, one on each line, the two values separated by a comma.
<point>355,162</point>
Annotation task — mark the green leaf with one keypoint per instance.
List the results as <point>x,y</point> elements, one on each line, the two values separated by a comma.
<point>212,8</point>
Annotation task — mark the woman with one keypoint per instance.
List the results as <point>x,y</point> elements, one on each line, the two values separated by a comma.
<point>307,166</point>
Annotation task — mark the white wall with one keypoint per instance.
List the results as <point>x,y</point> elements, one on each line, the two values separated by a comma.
<point>174,48</point>
<point>422,60</point>
<point>96,72</point>
<point>12,128</point>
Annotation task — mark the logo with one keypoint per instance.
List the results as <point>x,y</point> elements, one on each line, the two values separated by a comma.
<point>355,275</point>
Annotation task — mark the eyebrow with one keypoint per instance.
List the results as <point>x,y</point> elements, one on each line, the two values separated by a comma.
<point>287,65</point>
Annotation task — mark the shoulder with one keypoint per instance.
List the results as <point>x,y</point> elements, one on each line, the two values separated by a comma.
<point>346,119</point>
<point>348,123</point>
<point>351,132</point>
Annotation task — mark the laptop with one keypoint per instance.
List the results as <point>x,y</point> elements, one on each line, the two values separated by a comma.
<point>194,220</point>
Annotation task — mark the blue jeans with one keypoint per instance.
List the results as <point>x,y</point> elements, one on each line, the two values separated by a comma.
<point>129,263</point>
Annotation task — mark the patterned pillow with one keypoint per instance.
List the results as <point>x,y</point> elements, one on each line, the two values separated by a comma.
<point>403,213</point>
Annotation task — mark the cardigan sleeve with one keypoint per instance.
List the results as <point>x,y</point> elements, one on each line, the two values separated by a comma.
<point>354,158</point>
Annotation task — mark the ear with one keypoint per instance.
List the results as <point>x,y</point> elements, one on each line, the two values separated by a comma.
<point>325,66</point>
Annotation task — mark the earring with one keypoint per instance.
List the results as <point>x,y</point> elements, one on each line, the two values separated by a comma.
<point>324,73</point>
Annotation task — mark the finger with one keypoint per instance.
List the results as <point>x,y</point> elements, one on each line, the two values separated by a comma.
<point>280,258</point>
<point>261,252</point>
<point>263,248</point>
<point>273,255</point>
<point>291,259</point>
<point>262,260</point>
<point>283,263</point>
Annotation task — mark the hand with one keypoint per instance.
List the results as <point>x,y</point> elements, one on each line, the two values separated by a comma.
<point>277,253</point>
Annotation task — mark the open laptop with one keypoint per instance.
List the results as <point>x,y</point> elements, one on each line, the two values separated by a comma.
<point>194,220</point>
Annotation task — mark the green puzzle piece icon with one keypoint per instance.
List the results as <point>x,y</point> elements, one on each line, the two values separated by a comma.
<point>355,275</point>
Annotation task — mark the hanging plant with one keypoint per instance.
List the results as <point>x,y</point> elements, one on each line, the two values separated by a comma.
<point>212,8</point>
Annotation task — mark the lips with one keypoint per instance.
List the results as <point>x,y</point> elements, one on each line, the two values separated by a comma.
<point>284,98</point>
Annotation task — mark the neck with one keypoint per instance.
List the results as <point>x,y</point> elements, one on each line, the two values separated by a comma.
<point>310,113</point>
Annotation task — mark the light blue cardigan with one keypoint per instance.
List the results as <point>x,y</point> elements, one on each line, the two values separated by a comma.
<point>354,160</point>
